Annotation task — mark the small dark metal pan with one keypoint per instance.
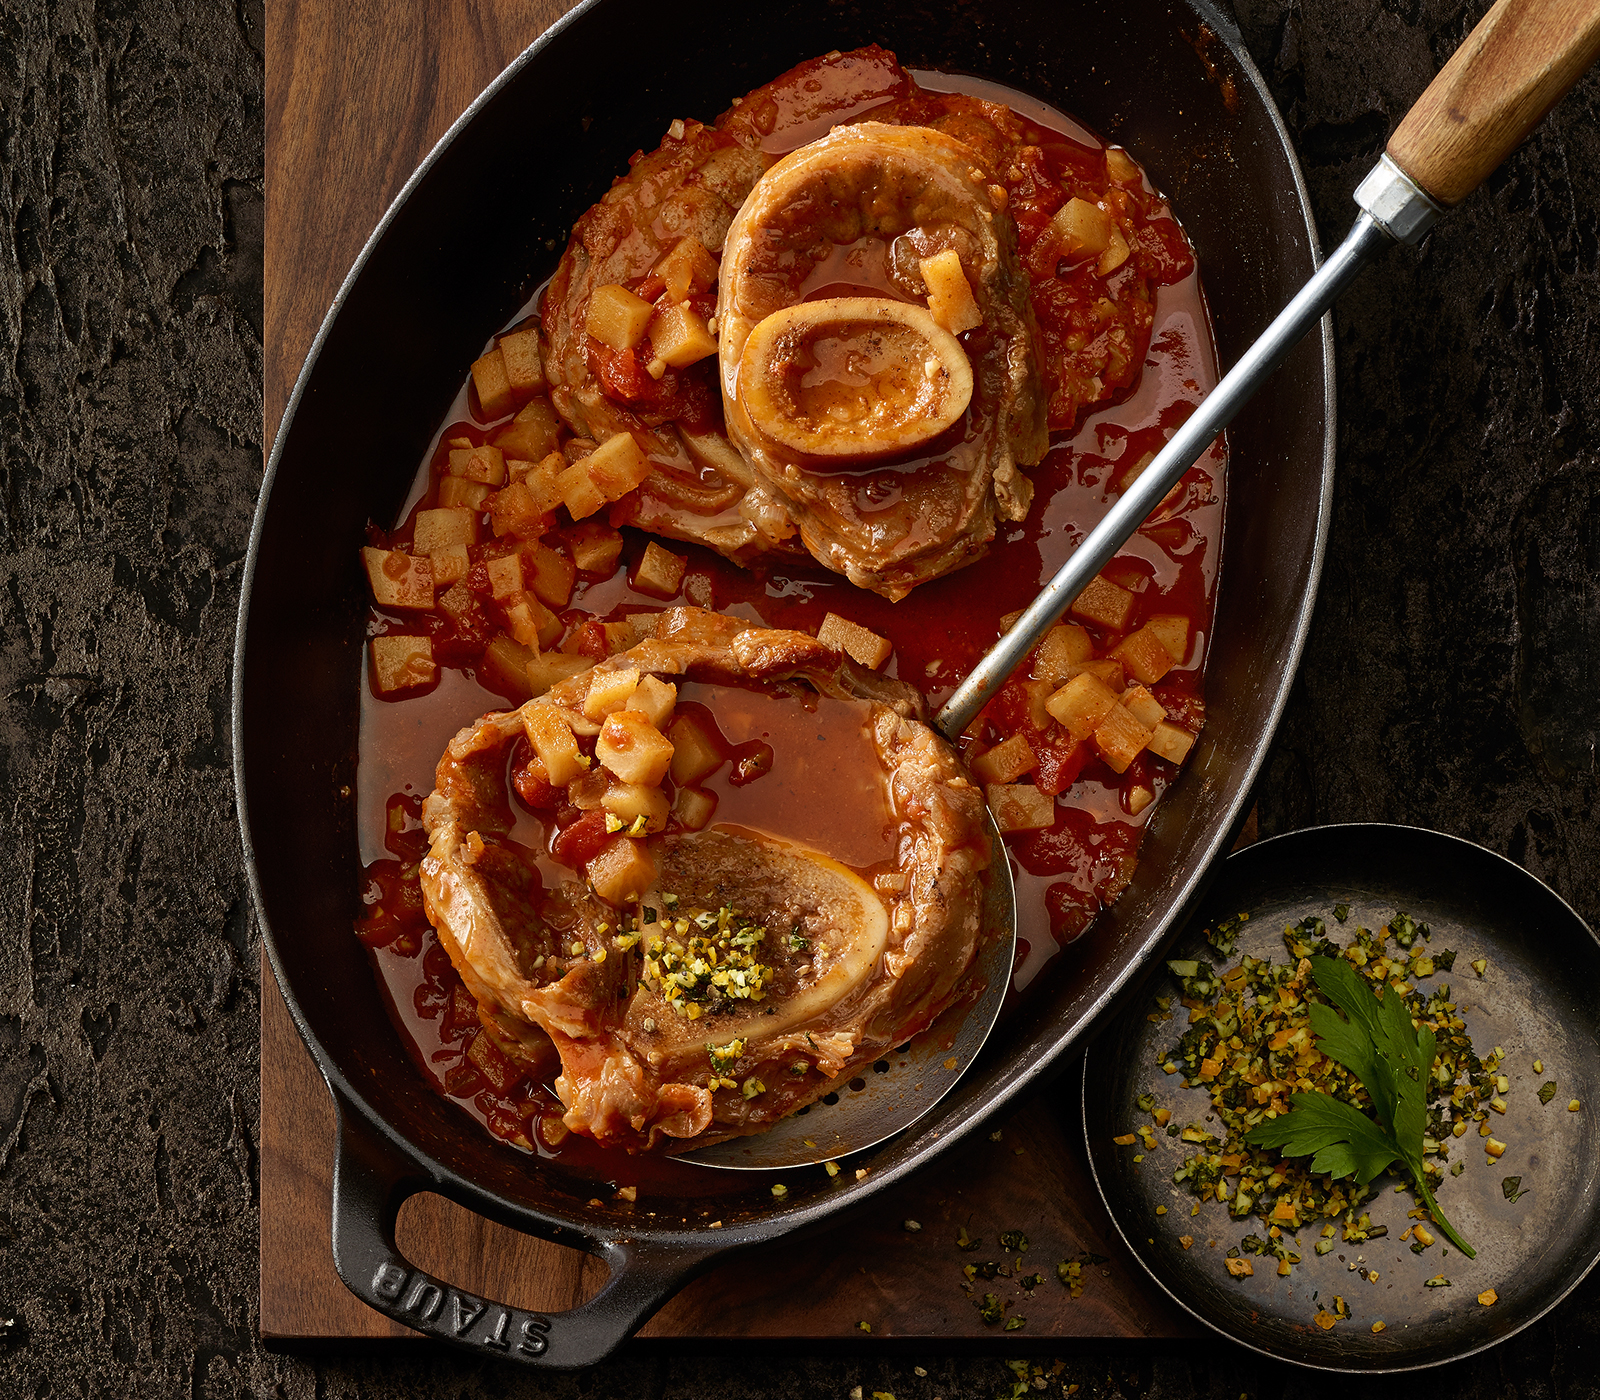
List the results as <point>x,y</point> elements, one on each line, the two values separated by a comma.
<point>544,142</point>
<point>1535,1000</point>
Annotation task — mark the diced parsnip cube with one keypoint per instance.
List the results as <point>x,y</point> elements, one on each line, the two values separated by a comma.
<point>617,466</point>
<point>399,580</point>
<point>551,575</point>
<point>399,663</point>
<point>1105,604</point>
<point>678,337</point>
<point>610,690</point>
<point>458,491</point>
<point>579,494</point>
<point>693,754</point>
<point>532,434</point>
<point>1139,798</point>
<point>1005,762</point>
<point>524,367</point>
<point>654,699</point>
<point>856,642</point>
<point>1171,742</point>
<point>494,388</point>
<point>540,478</point>
<point>1020,807</point>
<point>645,624</point>
<point>1120,737</point>
<point>1133,473</point>
<point>1038,692</point>
<point>617,317</point>
<point>1173,631</point>
<point>438,529</point>
<point>688,268</point>
<point>587,792</point>
<point>550,733</point>
<point>1107,670</point>
<point>1010,619</point>
<point>595,547</point>
<point>533,624</point>
<point>660,571</point>
<point>1145,655</point>
<point>622,871</point>
<point>551,666</point>
<point>486,464</point>
<point>1081,230</point>
<point>1063,648</point>
<point>450,564</point>
<point>629,801</point>
<point>950,299</point>
<point>1115,255</point>
<point>1120,165</point>
<point>619,636</point>
<point>515,511</point>
<point>506,663</point>
<point>1143,706</point>
<point>493,1063</point>
<point>1081,704</point>
<point>505,576</point>
<point>633,748</point>
<point>694,807</point>
<point>460,604</point>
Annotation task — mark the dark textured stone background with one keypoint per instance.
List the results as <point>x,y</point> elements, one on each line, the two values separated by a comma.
<point>1450,681</point>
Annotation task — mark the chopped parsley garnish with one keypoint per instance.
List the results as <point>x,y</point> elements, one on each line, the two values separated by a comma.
<point>1547,1092</point>
<point>1252,1045</point>
<point>723,1057</point>
<point>1511,1189</point>
<point>1226,933</point>
<point>700,959</point>
<point>1393,1062</point>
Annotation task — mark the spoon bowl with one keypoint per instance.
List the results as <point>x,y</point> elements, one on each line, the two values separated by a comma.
<point>863,1109</point>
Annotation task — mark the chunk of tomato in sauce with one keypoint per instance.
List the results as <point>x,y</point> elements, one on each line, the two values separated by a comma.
<point>579,842</point>
<point>685,396</point>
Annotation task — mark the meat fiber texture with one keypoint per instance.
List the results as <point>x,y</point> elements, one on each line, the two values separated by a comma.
<point>921,192</point>
<point>634,1072</point>
<point>703,488</point>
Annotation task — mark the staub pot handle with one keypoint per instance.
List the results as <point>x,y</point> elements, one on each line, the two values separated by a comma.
<point>1512,69</point>
<point>372,1179</point>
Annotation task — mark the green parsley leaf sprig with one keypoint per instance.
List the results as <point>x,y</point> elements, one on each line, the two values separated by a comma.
<point>1393,1060</point>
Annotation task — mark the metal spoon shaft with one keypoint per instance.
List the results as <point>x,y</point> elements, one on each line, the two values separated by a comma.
<point>1184,449</point>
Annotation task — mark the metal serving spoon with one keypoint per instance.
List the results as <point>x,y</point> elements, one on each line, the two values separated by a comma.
<point>1520,60</point>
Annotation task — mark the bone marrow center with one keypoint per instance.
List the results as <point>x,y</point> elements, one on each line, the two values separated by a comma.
<point>853,377</point>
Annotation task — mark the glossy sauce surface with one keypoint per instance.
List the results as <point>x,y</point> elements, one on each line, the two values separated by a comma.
<point>1063,875</point>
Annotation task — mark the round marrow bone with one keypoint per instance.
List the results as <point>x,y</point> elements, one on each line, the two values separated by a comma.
<point>868,968</point>
<point>769,870</point>
<point>854,377</point>
<point>921,193</point>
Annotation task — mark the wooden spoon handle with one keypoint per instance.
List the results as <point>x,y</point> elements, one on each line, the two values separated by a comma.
<point>1514,67</point>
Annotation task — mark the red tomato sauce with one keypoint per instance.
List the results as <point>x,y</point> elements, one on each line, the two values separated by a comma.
<point>1129,356</point>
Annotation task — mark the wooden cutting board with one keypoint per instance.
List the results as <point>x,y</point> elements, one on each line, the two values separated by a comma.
<point>357,93</point>
<point>871,1269</point>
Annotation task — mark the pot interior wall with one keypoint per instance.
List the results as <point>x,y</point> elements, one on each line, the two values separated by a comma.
<point>483,225</point>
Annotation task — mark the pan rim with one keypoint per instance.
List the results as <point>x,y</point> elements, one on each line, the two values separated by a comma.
<point>930,1141</point>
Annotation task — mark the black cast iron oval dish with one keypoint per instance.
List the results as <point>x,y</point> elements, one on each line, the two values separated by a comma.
<point>426,293</point>
<point>1535,1001</point>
